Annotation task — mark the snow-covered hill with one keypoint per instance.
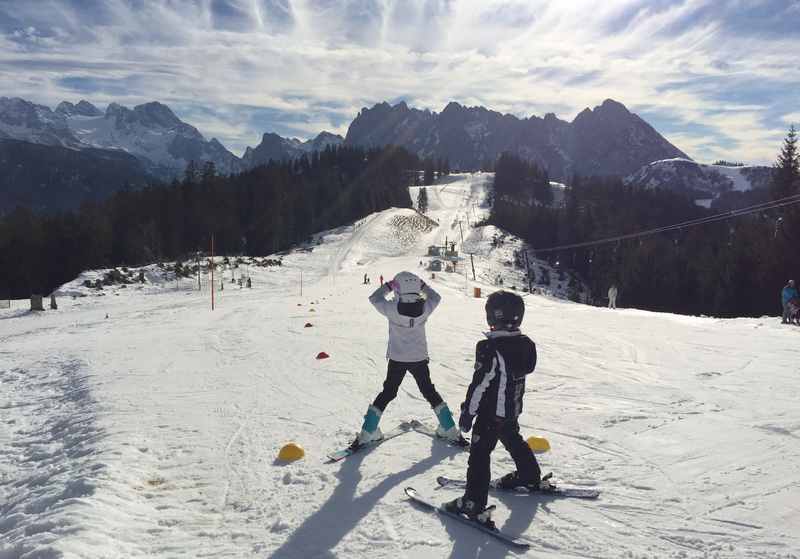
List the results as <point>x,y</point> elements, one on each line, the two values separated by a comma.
<point>702,181</point>
<point>136,422</point>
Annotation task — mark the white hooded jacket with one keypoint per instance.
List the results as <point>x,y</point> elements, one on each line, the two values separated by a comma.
<point>407,340</point>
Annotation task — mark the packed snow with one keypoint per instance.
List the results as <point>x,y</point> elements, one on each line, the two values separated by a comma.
<point>137,422</point>
<point>733,177</point>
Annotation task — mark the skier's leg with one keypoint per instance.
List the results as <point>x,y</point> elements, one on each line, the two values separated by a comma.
<point>395,372</point>
<point>422,374</point>
<point>528,470</point>
<point>484,439</point>
<point>447,426</point>
<point>369,429</point>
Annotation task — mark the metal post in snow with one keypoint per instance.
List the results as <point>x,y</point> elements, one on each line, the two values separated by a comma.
<point>528,271</point>
<point>212,271</point>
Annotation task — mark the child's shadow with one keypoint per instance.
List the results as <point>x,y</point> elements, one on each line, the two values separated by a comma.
<point>324,529</point>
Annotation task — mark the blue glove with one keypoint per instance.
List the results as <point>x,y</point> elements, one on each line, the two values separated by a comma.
<point>465,421</point>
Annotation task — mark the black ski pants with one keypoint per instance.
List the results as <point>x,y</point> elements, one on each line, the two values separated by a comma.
<point>485,434</point>
<point>394,376</point>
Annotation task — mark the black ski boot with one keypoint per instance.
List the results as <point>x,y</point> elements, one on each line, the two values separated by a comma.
<point>514,481</point>
<point>468,508</point>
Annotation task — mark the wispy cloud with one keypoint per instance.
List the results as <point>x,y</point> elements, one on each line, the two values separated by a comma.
<point>719,79</point>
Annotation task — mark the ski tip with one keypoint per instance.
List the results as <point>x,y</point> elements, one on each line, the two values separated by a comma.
<point>411,492</point>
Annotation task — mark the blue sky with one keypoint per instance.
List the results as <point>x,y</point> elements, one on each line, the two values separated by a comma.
<point>720,79</point>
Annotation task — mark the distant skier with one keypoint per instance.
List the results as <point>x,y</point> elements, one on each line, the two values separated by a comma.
<point>495,396</point>
<point>381,279</point>
<point>794,310</point>
<point>788,293</point>
<point>366,279</point>
<point>407,351</point>
<point>612,296</point>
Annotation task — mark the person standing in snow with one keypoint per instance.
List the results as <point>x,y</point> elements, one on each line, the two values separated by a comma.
<point>381,279</point>
<point>788,293</point>
<point>612,296</point>
<point>407,352</point>
<point>494,402</point>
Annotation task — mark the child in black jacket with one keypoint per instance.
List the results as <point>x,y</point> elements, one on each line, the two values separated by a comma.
<point>494,400</point>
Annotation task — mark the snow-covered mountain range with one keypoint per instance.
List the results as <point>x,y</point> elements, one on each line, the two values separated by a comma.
<point>151,132</point>
<point>606,140</point>
<point>700,180</point>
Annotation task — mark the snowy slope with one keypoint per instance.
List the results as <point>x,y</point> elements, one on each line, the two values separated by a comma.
<point>701,180</point>
<point>135,422</point>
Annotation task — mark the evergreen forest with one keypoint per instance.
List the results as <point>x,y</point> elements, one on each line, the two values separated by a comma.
<point>263,211</point>
<point>727,267</point>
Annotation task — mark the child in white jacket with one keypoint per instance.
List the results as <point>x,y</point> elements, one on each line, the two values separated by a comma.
<point>407,351</point>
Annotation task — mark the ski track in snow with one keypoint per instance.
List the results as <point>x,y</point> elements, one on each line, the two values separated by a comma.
<point>154,432</point>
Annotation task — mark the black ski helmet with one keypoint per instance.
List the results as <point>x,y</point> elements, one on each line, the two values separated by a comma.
<point>504,310</point>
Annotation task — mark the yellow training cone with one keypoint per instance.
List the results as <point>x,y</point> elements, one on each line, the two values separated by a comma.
<point>291,452</point>
<point>538,444</point>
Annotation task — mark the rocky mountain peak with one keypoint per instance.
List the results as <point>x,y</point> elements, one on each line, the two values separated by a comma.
<point>115,109</point>
<point>83,108</point>
<point>609,106</point>
<point>452,107</point>
<point>156,114</point>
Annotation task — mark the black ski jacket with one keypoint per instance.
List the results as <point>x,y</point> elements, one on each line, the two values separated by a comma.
<point>501,363</point>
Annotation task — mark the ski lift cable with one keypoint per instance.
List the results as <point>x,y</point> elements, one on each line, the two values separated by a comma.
<point>730,214</point>
<point>700,221</point>
<point>774,204</point>
<point>686,225</point>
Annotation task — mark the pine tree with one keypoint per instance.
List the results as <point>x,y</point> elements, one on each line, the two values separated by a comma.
<point>786,182</point>
<point>190,174</point>
<point>209,172</point>
<point>428,173</point>
<point>786,173</point>
<point>422,200</point>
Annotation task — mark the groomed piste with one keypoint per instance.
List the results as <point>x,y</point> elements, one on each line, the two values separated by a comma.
<point>136,422</point>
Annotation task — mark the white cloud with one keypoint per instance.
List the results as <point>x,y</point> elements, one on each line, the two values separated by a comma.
<point>792,118</point>
<point>316,62</point>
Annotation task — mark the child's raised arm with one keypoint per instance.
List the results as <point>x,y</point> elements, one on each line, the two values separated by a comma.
<point>432,297</point>
<point>378,298</point>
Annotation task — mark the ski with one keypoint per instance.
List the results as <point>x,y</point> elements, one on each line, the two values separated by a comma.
<point>401,429</point>
<point>556,490</point>
<point>421,427</point>
<point>514,541</point>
